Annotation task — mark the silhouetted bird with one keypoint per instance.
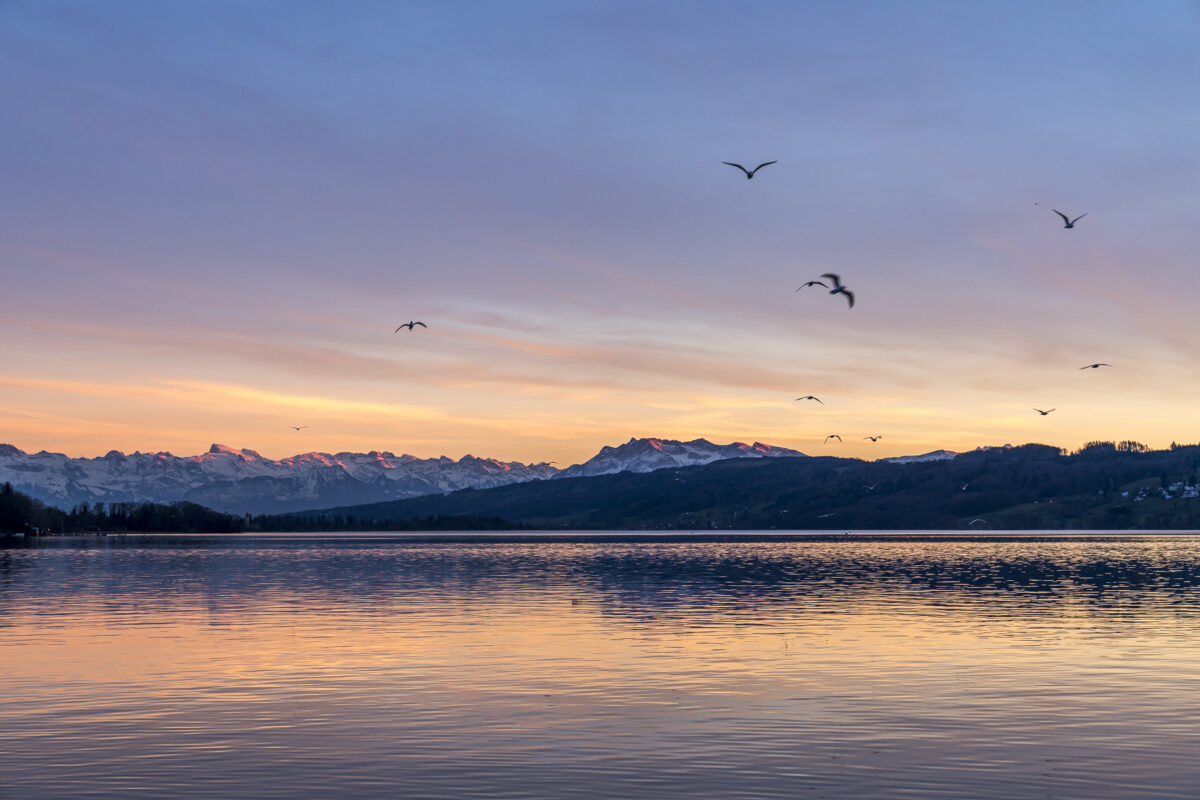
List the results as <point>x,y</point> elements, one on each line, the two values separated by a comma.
<point>838,288</point>
<point>810,397</point>
<point>832,436</point>
<point>1043,413</point>
<point>874,438</point>
<point>298,428</point>
<point>813,283</point>
<point>749,172</point>
<point>1096,366</point>
<point>410,325</point>
<point>1067,221</point>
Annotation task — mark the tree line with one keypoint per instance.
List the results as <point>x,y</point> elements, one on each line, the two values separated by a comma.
<point>20,513</point>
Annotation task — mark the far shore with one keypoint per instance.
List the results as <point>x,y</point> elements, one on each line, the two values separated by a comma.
<point>645,537</point>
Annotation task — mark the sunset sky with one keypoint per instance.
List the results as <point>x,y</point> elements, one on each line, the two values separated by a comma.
<point>213,216</point>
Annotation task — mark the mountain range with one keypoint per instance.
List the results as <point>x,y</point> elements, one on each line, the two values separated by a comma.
<point>1105,485</point>
<point>242,481</point>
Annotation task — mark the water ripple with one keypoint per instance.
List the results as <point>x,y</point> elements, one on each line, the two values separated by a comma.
<point>304,667</point>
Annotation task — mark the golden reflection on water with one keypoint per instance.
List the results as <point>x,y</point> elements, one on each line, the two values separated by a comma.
<point>755,670</point>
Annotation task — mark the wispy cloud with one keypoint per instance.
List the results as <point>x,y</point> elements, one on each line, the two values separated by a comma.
<point>198,245</point>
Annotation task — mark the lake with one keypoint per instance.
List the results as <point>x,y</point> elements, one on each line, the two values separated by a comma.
<point>483,667</point>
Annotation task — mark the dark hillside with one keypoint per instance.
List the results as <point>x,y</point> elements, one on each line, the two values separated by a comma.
<point>1033,486</point>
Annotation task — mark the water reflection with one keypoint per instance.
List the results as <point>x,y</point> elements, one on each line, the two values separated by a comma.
<point>282,667</point>
<point>627,574</point>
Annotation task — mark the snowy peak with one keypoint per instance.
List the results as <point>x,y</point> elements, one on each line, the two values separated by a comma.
<point>647,455</point>
<point>221,449</point>
<point>935,455</point>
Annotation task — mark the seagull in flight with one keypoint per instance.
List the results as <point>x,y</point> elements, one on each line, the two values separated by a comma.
<point>749,172</point>
<point>838,288</point>
<point>1095,366</point>
<point>1043,413</point>
<point>1067,221</point>
<point>813,283</point>
<point>297,427</point>
<point>831,436</point>
<point>811,397</point>
<point>410,325</point>
<point>873,438</point>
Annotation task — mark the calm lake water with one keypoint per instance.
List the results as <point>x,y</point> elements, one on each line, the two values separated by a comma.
<point>230,667</point>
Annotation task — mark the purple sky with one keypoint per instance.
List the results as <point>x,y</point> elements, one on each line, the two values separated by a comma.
<point>213,216</point>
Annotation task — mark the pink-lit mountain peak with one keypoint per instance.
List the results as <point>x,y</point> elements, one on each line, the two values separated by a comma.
<point>226,450</point>
<point>646,455</point>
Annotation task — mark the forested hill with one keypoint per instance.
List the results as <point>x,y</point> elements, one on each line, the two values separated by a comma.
<point>1103,486</point>
<point>20,513</point>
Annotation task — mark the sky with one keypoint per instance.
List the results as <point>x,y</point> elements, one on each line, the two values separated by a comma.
<point>214,215</point>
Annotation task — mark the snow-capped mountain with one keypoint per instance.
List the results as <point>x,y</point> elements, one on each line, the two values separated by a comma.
<point>237,481</point>
<point>936,455</point>
<point>647,455</point>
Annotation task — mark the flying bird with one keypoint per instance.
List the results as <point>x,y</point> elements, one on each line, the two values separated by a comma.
<point>1067,221</point>
<point>1043,413</point>
<point>838,288</point>
<point>410,325</point>
<point>832,436</point>
<point>811,397</point>
<point>749,172</point>
<point>297,427</point>
<point>1096,366</point>
<point>873,438</point>
<point>813,283</point>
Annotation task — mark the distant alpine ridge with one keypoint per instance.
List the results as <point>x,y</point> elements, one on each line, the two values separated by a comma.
<point>936,455</point>
<point>242,481</point>
<point>647,455</point>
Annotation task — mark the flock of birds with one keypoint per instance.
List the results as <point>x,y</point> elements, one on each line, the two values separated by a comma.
<point>837,288</point>
<point>840,288</point>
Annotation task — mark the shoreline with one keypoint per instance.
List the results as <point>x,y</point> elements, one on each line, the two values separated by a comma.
<point>632,537</point>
